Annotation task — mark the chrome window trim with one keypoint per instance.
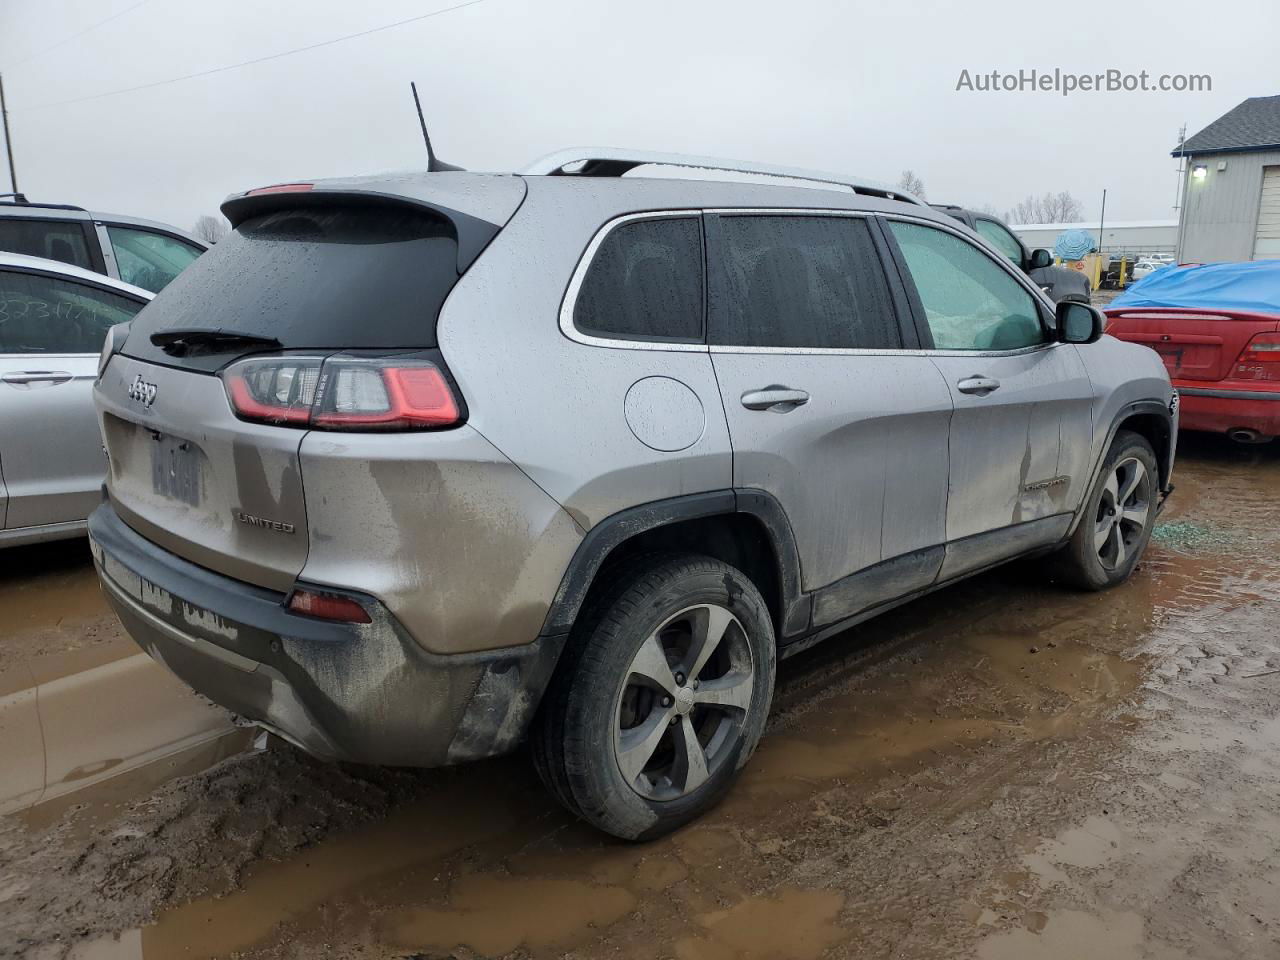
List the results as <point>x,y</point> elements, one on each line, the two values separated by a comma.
<point>571,332</point>
<point>567,326</point>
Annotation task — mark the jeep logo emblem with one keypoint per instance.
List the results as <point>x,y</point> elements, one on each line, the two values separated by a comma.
<point>143,392</point>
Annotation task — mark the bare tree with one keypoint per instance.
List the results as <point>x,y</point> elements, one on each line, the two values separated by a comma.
<point>210,229</point>
<point>1059,207</point>
<point>910,183</point>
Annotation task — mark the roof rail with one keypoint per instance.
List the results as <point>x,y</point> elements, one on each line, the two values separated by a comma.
<point>20,200</point>
<point>614,162</point>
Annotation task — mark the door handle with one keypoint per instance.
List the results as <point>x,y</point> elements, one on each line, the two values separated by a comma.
<point>37,376</point>
<point>775,397</point>
<point>978,385</point>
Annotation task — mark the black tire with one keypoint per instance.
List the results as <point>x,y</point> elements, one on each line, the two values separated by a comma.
<point>592,702</point>
<point>1084,564</point>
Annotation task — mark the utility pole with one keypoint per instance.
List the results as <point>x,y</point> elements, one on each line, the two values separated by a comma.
<point>1102,218</point>
<point>8,140</point>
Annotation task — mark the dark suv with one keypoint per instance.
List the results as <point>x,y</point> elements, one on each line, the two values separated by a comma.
<point>1058,282</point>
<point>140,252</point>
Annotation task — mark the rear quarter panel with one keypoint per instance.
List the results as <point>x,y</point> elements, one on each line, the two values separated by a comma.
<point>556,406</point>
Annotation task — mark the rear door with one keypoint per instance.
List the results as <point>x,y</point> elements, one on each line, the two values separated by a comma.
<point>827,412</point>
<point>68,239</point>
<point>51,331</point>
<point>1022,428</point>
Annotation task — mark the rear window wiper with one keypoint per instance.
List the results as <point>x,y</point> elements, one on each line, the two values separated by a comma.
<point>181,342</point>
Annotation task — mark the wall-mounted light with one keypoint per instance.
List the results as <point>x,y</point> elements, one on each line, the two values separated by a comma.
<point>1199,171</point>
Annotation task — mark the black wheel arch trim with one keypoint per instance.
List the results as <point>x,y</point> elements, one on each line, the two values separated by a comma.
<point>615,530</point>
<point>1164,461</point>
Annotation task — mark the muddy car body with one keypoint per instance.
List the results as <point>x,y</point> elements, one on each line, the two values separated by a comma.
<point>409,469</point>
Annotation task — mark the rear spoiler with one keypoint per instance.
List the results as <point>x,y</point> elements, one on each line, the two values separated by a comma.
<point>473,234</point>
<point>1207,312</point>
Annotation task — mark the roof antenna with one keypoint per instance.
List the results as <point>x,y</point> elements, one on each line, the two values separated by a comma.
<point>434,163</point>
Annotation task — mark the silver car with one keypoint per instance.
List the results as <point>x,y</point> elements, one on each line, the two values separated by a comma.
<point>410,469</point>
<point>53,320</point>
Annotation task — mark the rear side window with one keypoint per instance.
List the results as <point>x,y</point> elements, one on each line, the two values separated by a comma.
<point>61,240</point>
<point>147,259</point>
<point>332,277</point>
<point>645,283</point>
<point>793,281</point>
<point>45,314</point>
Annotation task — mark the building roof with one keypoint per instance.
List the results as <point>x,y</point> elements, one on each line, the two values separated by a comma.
<point>1252,125</point>
<point>1093,225</point>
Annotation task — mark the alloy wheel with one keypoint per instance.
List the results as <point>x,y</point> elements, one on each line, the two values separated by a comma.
<point>683,702</point>
<point>1122,512</point>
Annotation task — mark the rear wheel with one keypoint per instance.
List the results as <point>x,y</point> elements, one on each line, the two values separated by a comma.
<point>1118,517</point>
<point>661,698</point>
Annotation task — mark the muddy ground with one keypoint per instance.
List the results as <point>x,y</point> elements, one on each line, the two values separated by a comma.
<point>1003,770</point>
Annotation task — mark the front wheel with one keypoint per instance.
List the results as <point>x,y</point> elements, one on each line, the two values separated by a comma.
<point>661,697</point>
<point>1118,517</point>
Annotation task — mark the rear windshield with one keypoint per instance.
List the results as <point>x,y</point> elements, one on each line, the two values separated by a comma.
<point>326,278</point>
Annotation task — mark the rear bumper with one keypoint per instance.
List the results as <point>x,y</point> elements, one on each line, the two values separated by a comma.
<point>366,693</point>
<point>1221,409</point>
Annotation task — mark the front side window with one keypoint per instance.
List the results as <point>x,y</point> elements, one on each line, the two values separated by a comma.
<point>61,240</point>
<point>1001,239</point>
<point>149,260</point>
<point>799,281</point>
<point>45,314</point>
<point>969,300</point>
<point>645,283</point>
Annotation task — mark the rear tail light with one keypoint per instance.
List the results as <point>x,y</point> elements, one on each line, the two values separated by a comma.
<point>328,606</point>
<point>112,343</point>
<point>342,392</point>
<point>1260,359</point>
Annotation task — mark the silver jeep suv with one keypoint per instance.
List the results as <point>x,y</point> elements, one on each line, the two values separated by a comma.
<point>410,469</point>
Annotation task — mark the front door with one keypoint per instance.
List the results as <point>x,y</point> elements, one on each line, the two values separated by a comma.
<point>826,412</point>
<point>1022,426</point>
<point>51,331</point>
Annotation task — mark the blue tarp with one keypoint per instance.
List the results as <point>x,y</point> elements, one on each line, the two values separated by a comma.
<point>1213,286</point>
<point>1075,244</point>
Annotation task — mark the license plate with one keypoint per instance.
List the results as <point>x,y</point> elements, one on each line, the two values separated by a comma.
<point>175,469</point>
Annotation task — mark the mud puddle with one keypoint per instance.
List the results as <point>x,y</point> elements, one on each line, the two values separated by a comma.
<point>1002,770</point>
<point>485,863</point>
<point>79,702</point>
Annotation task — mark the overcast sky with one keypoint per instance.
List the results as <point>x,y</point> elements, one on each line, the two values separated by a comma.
<point>865,87</point>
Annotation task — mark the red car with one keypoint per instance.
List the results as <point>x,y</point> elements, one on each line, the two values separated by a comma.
<point>1224,363</point>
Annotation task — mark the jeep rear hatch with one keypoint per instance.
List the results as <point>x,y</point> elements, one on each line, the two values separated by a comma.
<point>205,407</point>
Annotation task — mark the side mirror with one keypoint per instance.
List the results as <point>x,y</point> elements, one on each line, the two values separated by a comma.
<point>1079,322</point>
<point>1041,258</point>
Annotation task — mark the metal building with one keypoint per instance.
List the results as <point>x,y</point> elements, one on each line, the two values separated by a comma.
<point>1231,192</point>
<point>1120,238</point>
